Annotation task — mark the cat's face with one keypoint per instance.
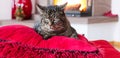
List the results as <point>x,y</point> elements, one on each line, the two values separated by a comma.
<point>53,18</point>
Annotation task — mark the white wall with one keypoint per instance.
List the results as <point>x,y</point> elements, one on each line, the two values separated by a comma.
<point>5,9</point>
<point>33,6</point>
<point>101,31</point>
<point>116,10</point>
<point>115,6</point>
<point>108,31</point>
<point>41,2</point>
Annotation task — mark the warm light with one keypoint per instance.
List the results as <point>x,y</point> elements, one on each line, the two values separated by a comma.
<point>75,3</point>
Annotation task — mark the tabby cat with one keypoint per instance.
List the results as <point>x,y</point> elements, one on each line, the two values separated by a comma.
<point>54,22</point>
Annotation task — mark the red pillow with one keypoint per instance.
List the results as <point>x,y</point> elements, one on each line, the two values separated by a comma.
<point>27,35</point>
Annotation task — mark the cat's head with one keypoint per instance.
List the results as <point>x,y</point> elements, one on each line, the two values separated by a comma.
<point>53,18</point>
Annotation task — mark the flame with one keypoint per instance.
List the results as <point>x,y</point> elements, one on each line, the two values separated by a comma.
<point>82,3</point>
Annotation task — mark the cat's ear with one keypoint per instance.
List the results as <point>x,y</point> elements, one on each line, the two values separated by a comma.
<point>40,8</point>
<point>63,6</point>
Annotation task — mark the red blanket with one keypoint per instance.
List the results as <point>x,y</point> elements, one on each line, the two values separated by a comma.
<point>107,50</point>
<point>25,42</point>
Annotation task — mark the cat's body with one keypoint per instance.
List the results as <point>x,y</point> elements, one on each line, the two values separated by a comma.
<point>54,22</point>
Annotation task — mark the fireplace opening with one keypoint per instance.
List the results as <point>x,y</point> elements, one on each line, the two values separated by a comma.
<point>76,7</point>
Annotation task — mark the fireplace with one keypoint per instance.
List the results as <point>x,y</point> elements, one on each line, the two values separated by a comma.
<point>76,7</point>
<point>82,7</point>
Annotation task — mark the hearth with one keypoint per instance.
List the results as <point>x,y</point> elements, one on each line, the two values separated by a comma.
<point>76,7</point>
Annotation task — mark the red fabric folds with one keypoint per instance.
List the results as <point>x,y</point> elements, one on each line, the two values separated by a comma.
<point>18,41</point>
<point>107,50</point>
<point>10,49</point>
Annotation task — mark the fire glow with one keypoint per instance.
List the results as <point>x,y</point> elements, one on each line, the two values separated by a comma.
<point>80,5</point>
